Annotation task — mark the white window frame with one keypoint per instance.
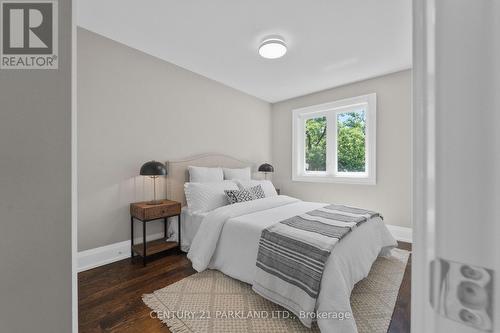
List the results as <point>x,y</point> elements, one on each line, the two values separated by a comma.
<point>330,111</point>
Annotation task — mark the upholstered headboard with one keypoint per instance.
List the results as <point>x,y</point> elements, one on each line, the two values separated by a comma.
<point>178,171</point>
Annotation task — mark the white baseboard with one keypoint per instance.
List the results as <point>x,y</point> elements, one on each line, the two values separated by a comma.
<point>104,255</point>
<point>402,234</point>
<point>107,254</point>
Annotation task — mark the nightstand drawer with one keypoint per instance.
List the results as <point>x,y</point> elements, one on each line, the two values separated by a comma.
<point>161,211</point>
<point>146,212</point>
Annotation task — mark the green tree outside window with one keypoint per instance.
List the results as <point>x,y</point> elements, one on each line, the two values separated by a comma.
<point>316,144</point>
<point>351,133</point>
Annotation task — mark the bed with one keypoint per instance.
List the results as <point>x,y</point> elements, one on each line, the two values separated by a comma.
<point>227,239</point>
<point>190,224</point>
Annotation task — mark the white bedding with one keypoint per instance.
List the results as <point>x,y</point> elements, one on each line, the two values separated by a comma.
<point>228,237</point>
<point>190,222</point>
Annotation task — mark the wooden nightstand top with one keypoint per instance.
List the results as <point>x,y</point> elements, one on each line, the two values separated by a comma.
<point>144,211</point>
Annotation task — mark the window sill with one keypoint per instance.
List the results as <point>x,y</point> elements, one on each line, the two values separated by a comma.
<point>336,180</point>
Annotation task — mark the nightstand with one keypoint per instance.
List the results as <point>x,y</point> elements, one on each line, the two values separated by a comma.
<point>145,213</point>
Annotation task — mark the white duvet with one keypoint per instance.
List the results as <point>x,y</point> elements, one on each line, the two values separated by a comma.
<point>228,239</point>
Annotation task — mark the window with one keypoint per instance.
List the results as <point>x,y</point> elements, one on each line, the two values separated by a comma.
<point>335,142</point>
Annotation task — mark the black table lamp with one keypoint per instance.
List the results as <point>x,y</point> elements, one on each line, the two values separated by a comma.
<point>266,168</point>
<point>153,169</point>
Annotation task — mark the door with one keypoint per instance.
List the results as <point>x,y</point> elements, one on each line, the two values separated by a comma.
<point>456,150</point>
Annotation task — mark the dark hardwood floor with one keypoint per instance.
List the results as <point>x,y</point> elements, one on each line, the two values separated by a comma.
<point>401,317</point>
<point>109,297</point>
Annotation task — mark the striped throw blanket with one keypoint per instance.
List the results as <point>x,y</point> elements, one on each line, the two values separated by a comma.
<point>293,253</point>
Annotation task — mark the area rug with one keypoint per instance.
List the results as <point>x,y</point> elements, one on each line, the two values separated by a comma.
<point>210,301</point>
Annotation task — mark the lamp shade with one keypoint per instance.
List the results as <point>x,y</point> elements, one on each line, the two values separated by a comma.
<point>153,168</point>
<point>266,167</point>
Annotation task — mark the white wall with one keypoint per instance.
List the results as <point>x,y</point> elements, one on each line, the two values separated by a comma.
<point>391,194</point>
<point>35,193</point>
<point>132,108</point>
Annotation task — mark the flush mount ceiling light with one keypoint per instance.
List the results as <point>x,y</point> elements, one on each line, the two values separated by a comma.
<point>272,47</point>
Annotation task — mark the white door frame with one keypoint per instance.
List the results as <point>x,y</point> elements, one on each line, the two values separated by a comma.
<point>74,173</point>
<point>423,173</point>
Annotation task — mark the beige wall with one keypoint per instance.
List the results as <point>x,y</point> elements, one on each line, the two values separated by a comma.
<point>391,194</point>
<point>35,194</point>
<point>132,108</point>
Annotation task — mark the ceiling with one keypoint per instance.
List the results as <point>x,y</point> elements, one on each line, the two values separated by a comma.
<point>330,42</point>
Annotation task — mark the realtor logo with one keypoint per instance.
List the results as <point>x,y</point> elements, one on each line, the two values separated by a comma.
<point>29,34</point>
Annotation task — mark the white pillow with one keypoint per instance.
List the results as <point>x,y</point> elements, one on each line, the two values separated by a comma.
<point>205,175</point>
<point>266,185</point>
<point>204,197</point>
<point>237,174</point>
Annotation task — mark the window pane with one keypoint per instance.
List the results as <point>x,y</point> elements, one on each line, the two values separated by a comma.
<point>351,130</point>
<point>315,154</point>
